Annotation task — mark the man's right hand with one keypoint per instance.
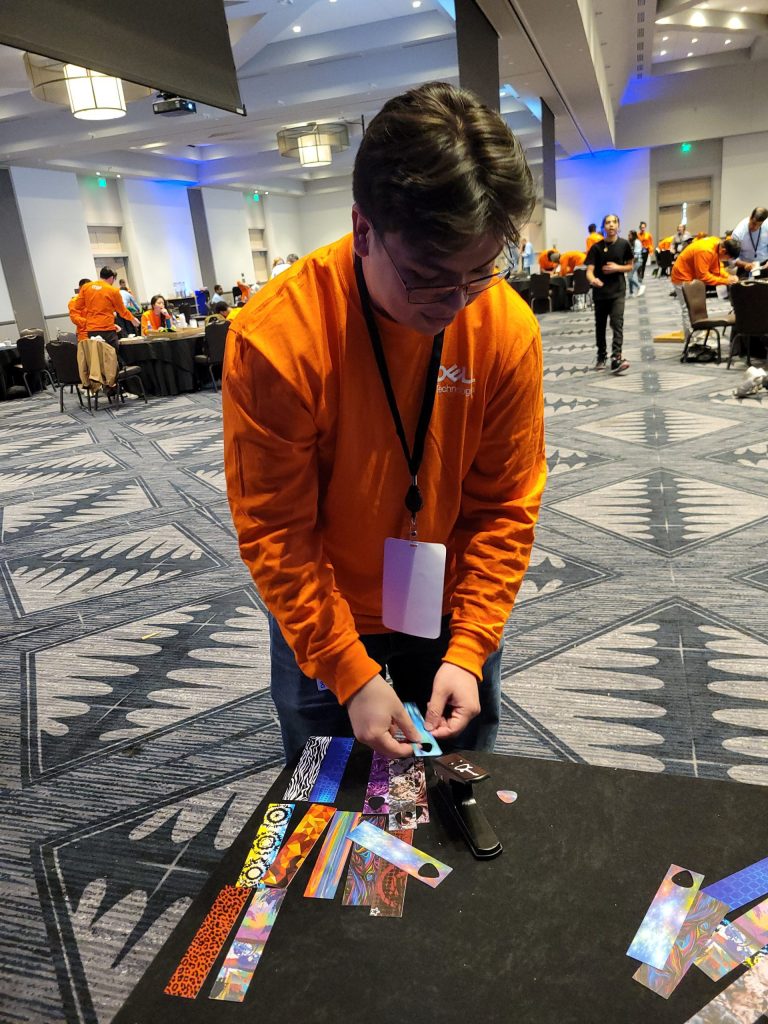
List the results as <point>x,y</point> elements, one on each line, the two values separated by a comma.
<point>376,712</point>
<point>135,322</point>
<point>732,279</point>
<point>597,283</point>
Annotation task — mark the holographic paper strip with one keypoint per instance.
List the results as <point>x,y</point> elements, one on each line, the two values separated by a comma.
<point>308,768</point>
<point>403,792</point>
<point>364,867</point>
<point>692,942</point>
<point>417,863</point>
<point>244,954</point>
<point>428,747</point>
<point>743,1002</point>
<point>420,786</point>
<point>664,918</point>
<point>378,786</point>
<point>743,886</point>
<point>755,922</point>
<point>735,941</point>
<point>298,845</point>
<point>331,771</point>
<point>388,894</point>
<point>194,966</point>
<point>330,862</point>
<point>265,845</point>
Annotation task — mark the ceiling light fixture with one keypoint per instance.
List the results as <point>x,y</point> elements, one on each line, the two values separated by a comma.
<point>313,145</point>
<point>690,53</point>
<point>415,3</point>
<point>664,39</point>
<point>727,42</point>
<point>663,53</point>
<point>297,28</point>
<point>695,39</point>
<point>92,95</point>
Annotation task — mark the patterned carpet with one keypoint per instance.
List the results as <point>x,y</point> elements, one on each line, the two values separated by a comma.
<point>136,728</point>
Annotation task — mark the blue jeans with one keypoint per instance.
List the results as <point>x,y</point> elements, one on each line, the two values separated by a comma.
<point>305,710</point>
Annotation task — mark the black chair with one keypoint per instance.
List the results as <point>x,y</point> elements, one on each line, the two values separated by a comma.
<point>581,286</point>
<point>540,290</point>
<point>32,362</point>
<point>664,260</point>
<point>214,344</point>
<point>63,357</point>
<point>68,336</point>
<point>126,373</point>
<point>750,309</point>
<point>695,295</point>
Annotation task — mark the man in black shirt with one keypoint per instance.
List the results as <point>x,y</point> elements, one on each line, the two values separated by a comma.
<point>607,263</point>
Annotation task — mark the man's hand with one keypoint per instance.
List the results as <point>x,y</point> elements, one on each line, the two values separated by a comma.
<point>732,279</point>
<point>612,268</point>
<point>454,689</point>
<point>135,322</point>
<point>596,282</point>
<point>376,712</point>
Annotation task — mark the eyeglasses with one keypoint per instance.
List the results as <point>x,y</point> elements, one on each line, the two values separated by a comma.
<point>423,296</point>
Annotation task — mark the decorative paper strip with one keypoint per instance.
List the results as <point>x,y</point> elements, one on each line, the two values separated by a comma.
<point>188,978</point>
<point>428,747</point>
<point>753,961</point>
<point>388,894</point>
<point>422,806</point>
<point>736,941</point>
<point>244,954</point>
<point>417,863</point>
<point>378,786</point>
<point>331,771</point>
<point>743,1002</point>
<point>743,886</point>
<point>265,845</point>
<point>692,942</point>
<point>298,845</point>
<point>403,791</point>
<point>664,918</point>
<point>306,771</point>
<point>364,867</point>
<point>755,922</point>
<point>330,862</point>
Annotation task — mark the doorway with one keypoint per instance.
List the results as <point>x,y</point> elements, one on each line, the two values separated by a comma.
<point>696,194</point>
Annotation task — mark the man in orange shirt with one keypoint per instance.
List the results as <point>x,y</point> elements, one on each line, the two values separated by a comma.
<point>645,238</point>
<point>593,237</point>
<point>700,261</point>
<point>549,261</point>
<point>570,260</point>
<point>381,401</point>
<point>76,317</point>
<point>97,302</point>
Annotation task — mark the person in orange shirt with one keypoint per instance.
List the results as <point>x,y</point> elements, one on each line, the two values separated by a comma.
<point>645,238</point>
<point>245,291</point>
<point>593,237</point>
<point>700,261</point>
<point>75,316</point>
<point>97,302</point>
<point>157,317</point>
<point>399,338</point>
<point>666,243</point>
<point>570,260</point>
<point>549,261</point>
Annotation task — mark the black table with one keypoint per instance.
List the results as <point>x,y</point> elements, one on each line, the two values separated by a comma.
<point>9,356</point>
<point>167,363</point>
<point>537,935</point>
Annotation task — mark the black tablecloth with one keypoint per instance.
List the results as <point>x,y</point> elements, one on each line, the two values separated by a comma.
<point>537,935</point>
<point>8,356</point>
<point>167,364</point>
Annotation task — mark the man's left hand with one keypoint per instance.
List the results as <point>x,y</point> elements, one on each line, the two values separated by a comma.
<point>612,268</point>
<point>454,702</point>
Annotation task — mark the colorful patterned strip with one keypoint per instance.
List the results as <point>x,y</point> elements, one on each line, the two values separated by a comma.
<point>422,806</point>
<point>376,794</point>
<point>194,966</point>
<point>428,747</point>
<point>741,1003</point>
<point>298,846</point>
<point>330,862</point>
<point>308,768</point>
<point>331,771</point>
<point>742,886</point>
<point>244,954</point>
<point>403,791</point>
<point>265,845</point>
<point>364,867</point>
<point>692,942</point>
<point>735,941</point>
<point>417,863</point>
<point>664,918</point>
<point>388,894</point>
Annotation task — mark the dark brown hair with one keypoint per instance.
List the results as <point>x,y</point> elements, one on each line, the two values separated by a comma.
<point>442,169</point>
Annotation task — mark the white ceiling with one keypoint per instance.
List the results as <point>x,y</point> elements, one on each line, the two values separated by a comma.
<point>352,55</point>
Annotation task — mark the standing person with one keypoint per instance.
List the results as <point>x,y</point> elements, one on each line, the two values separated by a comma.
<point>98,302</point>
<point>593,237</point>
<point>78,318</point>
<point>700,261</point>
<point>752,235</point>
<point>680,239</point>
<point>637,259</point>
<point>245,290</point>
<point>157,317</point>
<point>646,240</point>
<point>526,255</point>
<point>607,263</point>
<point>384,391</point>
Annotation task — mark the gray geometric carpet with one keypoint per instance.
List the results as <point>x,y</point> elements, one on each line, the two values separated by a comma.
<point>136,729</point>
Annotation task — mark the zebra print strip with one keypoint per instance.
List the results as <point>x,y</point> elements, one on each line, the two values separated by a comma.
<point>306,771</point>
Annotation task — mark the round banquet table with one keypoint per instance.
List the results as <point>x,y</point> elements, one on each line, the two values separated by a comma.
<point>167,361</point>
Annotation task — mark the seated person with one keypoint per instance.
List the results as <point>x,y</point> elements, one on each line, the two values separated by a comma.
<point>570,260</point>
<point>549,261</point>
<point>157,317</point>
<point>222,312</point>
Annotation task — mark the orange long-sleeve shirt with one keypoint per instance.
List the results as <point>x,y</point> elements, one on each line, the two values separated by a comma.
<point>570,260</point>
<point>646,240</point>
<point>97,302</point>
<point>545,263</point>
<point>699,261</point>
<point>77,319</point>
<point>593,239</point>
<point>666,243</point>
<point>316,477</point>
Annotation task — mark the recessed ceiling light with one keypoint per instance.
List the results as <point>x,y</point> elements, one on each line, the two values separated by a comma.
<point>695,39</point>
<point>297,28</point>
<point>415,3</point>
<point>743,8</point>
<point>690,53</point>
<point>663,53</point>
<point>727,42</point>
<point>664,39</point>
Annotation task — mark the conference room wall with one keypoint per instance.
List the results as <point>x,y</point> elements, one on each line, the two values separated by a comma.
<point>743,183</point>
<point>226,217</point>
<point>589,186</point>
<point>325,217</point>
<point>101,204</point>
<point>52,215</point>
<point>159,237</point>
<point>670,163</point>
<point>8,328</point>
<point>282,223</point>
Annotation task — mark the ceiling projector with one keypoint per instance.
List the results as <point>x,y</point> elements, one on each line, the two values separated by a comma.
<point>172,106</point>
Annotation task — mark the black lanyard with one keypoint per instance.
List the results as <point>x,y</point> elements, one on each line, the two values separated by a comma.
<point>755,244</point>
<point>413,499</point>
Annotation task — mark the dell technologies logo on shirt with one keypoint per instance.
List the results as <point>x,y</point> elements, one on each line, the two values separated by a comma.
<point>455,380</point>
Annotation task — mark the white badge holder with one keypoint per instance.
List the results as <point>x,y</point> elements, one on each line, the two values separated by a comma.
<point>412,591</point>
